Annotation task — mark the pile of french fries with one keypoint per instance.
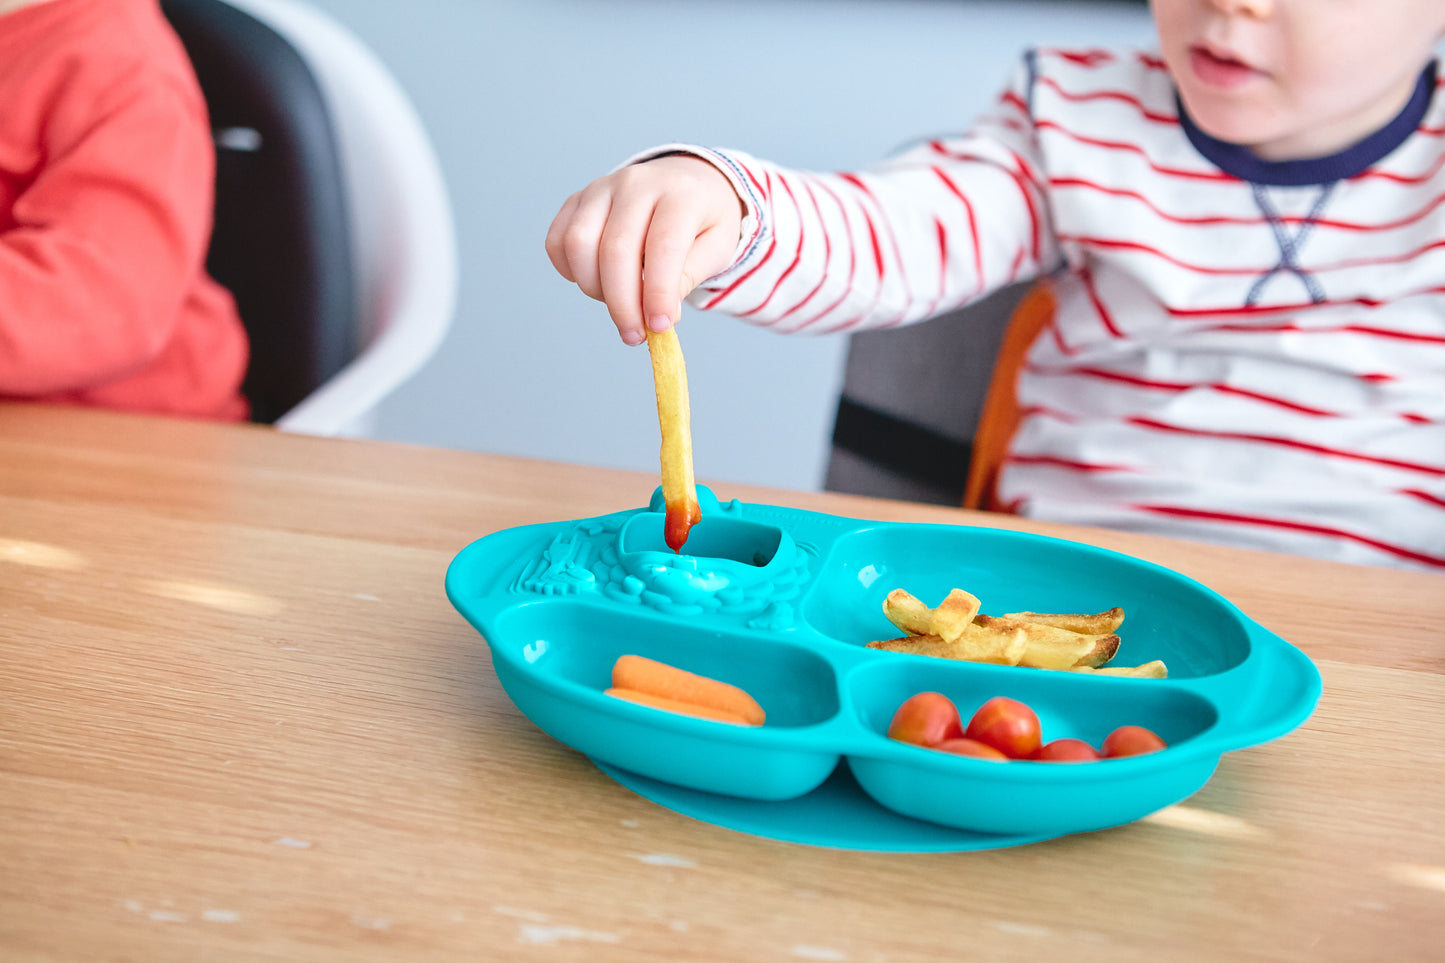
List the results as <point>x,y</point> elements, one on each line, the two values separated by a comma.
<point>955,629</point>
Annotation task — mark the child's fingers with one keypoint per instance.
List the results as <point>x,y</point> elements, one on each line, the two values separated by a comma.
<point>641,238</point>
<point>581,237</point>
<point>619,263</point>
<point>556,252</point>
<point>712,252</point>
<point>671,238</point>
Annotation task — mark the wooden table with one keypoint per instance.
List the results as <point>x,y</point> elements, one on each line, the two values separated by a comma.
<point>239,720</point>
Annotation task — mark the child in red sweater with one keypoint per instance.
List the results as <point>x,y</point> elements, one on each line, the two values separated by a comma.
<point>106,177</point>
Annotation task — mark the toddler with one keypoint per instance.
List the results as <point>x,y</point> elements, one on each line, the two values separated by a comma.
<point>1244,235</point>
<point>106,177</point>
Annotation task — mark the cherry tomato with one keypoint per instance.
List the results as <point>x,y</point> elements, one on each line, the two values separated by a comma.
<point>1008,725</point>
<point>971,747</point>
<point>926,719</point>
<point>1131,741</point>
<point>1067,750</point>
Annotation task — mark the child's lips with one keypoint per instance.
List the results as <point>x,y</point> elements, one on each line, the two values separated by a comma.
<point>1216,70</point>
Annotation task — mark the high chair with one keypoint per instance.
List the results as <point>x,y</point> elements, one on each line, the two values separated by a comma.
<point>927,411</point>
<point>333,229</point>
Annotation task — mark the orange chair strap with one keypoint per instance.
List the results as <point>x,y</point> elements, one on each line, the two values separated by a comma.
<point>1000,416</point>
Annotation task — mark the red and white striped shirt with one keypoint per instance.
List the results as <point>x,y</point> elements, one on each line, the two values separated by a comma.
<point>1245,351</point>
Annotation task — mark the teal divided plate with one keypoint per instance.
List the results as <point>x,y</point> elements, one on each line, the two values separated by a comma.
<point>781,603</point>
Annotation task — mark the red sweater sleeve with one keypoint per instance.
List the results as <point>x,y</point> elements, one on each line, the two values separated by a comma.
<point>106,195</point>
<point>105,244</point>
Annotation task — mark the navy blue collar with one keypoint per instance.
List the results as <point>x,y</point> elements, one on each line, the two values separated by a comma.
<point>1242,162</point>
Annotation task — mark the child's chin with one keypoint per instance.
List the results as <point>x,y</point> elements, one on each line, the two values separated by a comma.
<point>1234,124</point>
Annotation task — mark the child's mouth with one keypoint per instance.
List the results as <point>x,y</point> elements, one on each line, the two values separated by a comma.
<point>1219,71</point>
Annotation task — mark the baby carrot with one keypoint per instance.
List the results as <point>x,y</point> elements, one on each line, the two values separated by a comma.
<point>669,682</point>
<point>673,705</point>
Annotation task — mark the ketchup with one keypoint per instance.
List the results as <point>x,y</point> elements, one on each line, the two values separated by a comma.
<point>681,517</point>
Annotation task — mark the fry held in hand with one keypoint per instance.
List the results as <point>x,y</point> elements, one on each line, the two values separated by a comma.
<point>658,680</point>
<point>679,491</point>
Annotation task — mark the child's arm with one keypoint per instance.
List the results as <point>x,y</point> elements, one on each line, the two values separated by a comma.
<point>942,224</point>
<point>105,241</point>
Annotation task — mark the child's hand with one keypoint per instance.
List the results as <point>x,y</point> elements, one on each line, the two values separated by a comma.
<point>677,213</point>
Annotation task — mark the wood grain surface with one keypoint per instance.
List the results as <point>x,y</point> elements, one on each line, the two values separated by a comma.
<point>239,720</point>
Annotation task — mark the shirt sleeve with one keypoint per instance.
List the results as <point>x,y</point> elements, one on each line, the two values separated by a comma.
<point>943,223</point>
<point>105,242</point>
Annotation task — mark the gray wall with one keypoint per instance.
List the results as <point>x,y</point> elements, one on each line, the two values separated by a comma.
<point>527,100</point>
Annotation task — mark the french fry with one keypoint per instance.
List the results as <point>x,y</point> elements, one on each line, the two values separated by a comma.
<point>1101,623</point>
<point>638,674</point>
<point>993,644</point>
<point>1000,644</point>
<point>1149,670</point>
<point>1049,647</point>
<point>954,615</point>
<point>908,613</point>
<point>679,491</point>
<point>917,645</point>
